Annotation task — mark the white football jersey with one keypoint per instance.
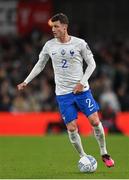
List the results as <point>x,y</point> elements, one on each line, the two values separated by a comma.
<point>67,60</point>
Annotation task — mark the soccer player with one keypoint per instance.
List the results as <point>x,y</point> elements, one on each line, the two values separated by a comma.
<point>72,89</point>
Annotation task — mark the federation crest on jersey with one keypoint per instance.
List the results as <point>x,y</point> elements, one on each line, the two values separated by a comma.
<point>72,52</point>
<point>63,52</point>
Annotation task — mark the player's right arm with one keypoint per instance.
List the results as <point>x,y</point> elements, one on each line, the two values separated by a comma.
<point>21,86</point>
<point>39,66</point>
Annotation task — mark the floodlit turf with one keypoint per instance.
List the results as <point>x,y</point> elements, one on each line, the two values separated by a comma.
<point>53,157</point>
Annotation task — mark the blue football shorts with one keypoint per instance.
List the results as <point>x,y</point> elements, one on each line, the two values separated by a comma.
<point>70,104</point>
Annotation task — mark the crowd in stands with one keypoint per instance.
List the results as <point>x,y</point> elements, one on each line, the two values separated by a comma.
<point>18,55</point>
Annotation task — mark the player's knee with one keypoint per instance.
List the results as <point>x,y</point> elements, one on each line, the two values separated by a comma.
<point>95,122</point>
<point>94,119</point>
<point>72,126</point>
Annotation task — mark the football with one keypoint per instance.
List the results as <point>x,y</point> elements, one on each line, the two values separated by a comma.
<point>87,164</point>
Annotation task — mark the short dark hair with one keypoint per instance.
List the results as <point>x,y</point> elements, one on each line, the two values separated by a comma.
<point>60,17</point>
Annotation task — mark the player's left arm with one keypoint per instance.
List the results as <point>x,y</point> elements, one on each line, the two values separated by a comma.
<point>78,88</point>
<point>91,65</point>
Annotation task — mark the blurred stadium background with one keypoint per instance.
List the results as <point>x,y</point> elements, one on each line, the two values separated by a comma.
<point>34,112</point>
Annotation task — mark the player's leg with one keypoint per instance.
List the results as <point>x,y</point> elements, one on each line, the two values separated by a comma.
<point>69,114</point>
<point>98,132</point>
<point>75,137</point>
<point>89,107</point>
<point>100,137</point>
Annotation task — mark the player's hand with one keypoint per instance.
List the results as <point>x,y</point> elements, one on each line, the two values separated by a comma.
<point>78,88</point>
<point>21,86</point>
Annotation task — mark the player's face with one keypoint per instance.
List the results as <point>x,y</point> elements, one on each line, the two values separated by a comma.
<point>58,29</point>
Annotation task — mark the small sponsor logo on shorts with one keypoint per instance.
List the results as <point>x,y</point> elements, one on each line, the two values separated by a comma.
<point>63,117</point>
<point>91,109</point>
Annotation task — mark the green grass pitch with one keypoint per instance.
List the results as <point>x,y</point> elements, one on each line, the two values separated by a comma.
<point>53,157</point>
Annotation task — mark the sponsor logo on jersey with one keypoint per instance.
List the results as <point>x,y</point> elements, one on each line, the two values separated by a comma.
<point>53,53</point>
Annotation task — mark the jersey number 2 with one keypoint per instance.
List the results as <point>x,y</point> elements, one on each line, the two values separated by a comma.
<point>64,63</point>
<point>88,101</point>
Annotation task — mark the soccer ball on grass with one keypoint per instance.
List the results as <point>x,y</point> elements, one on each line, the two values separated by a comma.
<point>87,164</point>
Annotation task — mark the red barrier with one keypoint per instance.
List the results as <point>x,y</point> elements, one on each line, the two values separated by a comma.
<point>122,122</point>
<point>37,123</point>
